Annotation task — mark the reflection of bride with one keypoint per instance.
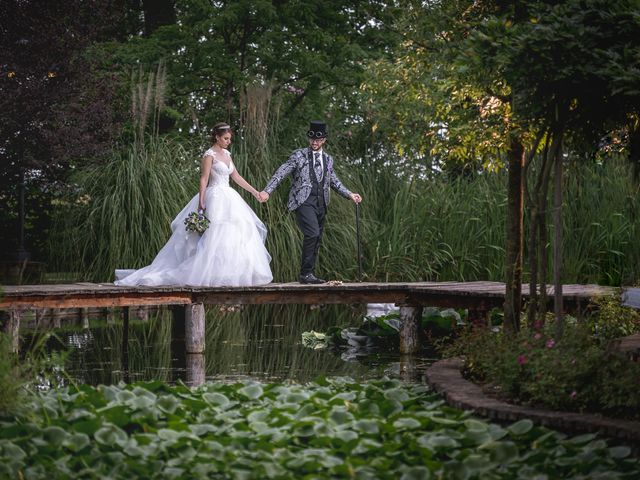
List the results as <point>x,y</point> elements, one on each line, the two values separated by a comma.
<point>231,251</point>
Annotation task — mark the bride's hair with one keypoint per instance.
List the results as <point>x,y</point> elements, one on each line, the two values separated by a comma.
<point>219,128</point>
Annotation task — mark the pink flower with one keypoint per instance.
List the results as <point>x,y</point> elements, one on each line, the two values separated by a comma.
<point>522,359</point>
<point>551,343</point>
<point>573,394</point>
<point>537,336</point>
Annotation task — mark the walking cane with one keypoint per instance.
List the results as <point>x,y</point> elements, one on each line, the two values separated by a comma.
<point>358,241</point>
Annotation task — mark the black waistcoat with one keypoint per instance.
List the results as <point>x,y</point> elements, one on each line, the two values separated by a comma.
<point>317,186</point>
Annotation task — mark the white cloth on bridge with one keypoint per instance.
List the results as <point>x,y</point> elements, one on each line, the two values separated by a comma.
<point>231,252</point>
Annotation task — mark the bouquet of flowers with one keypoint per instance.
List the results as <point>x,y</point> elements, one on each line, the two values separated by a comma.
<point>196,222</point>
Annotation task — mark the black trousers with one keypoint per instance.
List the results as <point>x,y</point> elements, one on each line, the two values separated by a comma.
<point>310,218</point>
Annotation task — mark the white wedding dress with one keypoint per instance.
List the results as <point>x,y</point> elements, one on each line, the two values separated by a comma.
<point>231,251</point>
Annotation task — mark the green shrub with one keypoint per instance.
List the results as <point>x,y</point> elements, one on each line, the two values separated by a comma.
<point>577,372</point>
<point>11,380</point>
<point>612,320</point>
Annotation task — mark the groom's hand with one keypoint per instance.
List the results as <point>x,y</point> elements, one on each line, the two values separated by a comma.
<point>263,196</point>
<point>356,197</point>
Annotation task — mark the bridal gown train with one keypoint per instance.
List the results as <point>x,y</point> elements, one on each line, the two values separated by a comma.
<point>231,251</point>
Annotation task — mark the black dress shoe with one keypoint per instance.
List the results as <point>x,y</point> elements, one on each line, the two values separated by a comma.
<point>311,278</point>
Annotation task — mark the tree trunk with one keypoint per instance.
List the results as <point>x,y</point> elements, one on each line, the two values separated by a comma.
<point>543,257</point>
<point>557,241</point>
<point>533,200</point>
<point>515,197</point>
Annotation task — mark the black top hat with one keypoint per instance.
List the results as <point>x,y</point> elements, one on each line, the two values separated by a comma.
<point>317,130</point>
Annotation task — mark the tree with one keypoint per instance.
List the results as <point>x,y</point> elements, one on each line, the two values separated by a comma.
<point>51,109</point>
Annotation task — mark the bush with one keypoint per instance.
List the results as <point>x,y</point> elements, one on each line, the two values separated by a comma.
<point>578,372</point>
<point>11,382</point>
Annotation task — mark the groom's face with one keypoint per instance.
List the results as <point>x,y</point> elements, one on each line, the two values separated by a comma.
<point>316,143</point>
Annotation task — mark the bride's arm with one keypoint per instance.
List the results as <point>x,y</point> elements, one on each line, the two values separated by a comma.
<point>205,170</point>
<point>236,177</point>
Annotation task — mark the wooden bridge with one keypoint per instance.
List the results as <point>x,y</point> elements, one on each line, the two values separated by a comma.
<point>478,297</point>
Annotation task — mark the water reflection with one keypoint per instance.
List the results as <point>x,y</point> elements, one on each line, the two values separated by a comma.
<point>253,342</point>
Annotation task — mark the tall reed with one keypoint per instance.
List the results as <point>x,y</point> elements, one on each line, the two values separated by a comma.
<point>422,229</point>
<point>121,214</point>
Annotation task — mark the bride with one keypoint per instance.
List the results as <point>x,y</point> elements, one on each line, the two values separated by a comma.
<point>231,251</point>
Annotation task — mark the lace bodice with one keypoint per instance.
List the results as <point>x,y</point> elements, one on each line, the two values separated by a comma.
<point>220,172</point>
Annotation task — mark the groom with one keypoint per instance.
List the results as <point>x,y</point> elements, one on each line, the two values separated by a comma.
<point>313,174</point>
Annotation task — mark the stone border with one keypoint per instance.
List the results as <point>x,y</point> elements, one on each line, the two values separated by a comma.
<point>444,376</point>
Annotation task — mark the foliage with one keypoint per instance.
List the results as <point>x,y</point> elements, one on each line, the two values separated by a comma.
<point>11,378</point>
<point>426,229</point>
<point>309,55</point>
<point>337,428</point>
<point>612,320</point>
<point>119,216</point>
<point>579,372</point>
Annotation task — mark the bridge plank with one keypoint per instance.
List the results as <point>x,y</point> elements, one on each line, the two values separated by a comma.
<point>478,294</point>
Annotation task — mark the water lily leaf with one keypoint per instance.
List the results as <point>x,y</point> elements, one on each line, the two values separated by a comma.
<point>168,403</point>
<point>521,427</point>
<point>304,430</point>
<point>478,463</point>
<point>367,426</point>
<point>88,427</point>
<point>258,416</point>
<point>54,435</point>
<point>365,446</point>
<point>580,439</point>
<point>111,435</point>
<point>216,398</point>
<point>12,451</point>
<point>397,394</point>
<point>476,425</point>
<point>76,442</point>
<point>142,403</point>
<point>118,415</point>
<point>346,435</point>
<point>143,392</point>
<point>457,470</point>
<point>201,429</point>
<point>416,473</point>
<point>340,415</point>
<point>251,391</point>
<point>258,427</point>
<point>434,442</point>
<point>169,435</point>
<point>620,452</point>
<point>478,437</point>
<point>348,396</point>
<point>501,452</point>
<point>124,396</point>
<point>406,423</point>
<point>173,472</point>
<point>79,413</point>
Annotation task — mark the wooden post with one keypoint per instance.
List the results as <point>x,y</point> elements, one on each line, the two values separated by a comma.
<point>410,330</point>
<point>194,328</point>
<point>142,313</point>
<point>84,316</point>
<point>125,342</point>
<point>11,326</point>
<point>195,369</point>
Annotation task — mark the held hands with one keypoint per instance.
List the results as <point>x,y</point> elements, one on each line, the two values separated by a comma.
<point>356,197</point>
<point>262,196</point>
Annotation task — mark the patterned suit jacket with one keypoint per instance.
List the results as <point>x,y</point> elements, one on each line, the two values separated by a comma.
<point>298,165</point>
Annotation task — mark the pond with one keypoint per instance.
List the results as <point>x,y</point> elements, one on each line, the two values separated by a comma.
<point>261,343</point>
